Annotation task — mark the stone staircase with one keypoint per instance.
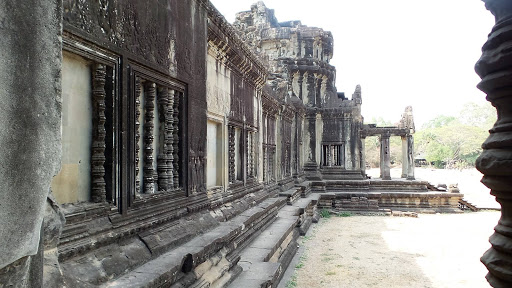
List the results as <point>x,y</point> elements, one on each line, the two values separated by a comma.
<point>266,258</point>
<point>251,249</point>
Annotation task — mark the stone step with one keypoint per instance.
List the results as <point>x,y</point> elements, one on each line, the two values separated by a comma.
<point>291,195</point>
<point>264,259</point>
<point>203,253</point>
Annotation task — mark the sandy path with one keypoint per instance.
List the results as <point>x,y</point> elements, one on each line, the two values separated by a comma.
<point>378,251</point>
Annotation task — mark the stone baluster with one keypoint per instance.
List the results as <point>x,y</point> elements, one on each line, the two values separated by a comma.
<point>231,154</point>
<point>98,191</point>
<point>138,92</point>
<point>163,167</point>
<point>149,182</point>
<point>495,162</point>
<point>265,162</point>
<point>176,122</point>
<point>169,126</point>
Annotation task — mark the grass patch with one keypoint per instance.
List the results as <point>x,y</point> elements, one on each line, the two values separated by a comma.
<point>344,214</point>
<point>327,259</point>
<point>329,273</point>
<point>355,258</point>
<point>324,213</point>
<point>292,283</point>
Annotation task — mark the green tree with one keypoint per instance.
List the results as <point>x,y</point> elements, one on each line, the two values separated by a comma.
<point>455,141</point>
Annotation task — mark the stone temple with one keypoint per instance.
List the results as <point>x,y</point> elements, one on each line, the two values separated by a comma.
<point>154,144</point>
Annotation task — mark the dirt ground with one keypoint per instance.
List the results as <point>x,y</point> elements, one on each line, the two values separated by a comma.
<point>436,250</point>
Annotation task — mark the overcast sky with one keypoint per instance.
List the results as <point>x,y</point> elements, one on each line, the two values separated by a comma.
<point>401,52</point>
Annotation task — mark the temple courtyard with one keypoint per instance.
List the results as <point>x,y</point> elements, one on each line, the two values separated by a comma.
<point>432,250</point>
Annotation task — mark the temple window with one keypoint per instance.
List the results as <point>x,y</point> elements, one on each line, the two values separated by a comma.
<point>332,155</point>
<point>88,129</point>
<point>157,136</point>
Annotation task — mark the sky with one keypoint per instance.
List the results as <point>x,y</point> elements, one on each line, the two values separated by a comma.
<point>401,52</point>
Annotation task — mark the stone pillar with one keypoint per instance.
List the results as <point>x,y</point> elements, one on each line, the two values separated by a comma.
<point>495,162</point>
<point>347,156</point>
<point>410,157</point>
<point>405,158</point>
<point>311,90</point>
<point>300,81</point>
<point>310,165</point>
<point>362,146</point>
<point>385,170</point>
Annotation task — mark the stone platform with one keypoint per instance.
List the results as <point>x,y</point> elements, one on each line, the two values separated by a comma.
<point>375,194</point>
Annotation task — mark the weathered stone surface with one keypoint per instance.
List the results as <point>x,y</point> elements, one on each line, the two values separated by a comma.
<point>53,223</point>
<point>30,137</point>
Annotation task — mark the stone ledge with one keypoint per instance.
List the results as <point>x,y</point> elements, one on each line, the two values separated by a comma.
<point>174,265</point>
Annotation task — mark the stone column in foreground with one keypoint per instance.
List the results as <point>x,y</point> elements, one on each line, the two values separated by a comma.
<point>495,162</point>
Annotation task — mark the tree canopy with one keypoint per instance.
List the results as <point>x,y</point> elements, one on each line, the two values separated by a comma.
<point>455,141</point>
<point>446,141</point>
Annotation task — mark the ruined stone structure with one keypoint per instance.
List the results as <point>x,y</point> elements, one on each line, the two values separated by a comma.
<point>153,144</point>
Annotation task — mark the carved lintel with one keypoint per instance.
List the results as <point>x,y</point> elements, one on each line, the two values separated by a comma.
<point>150,95</point>
<point>495,162</point>
<point>98,191</point>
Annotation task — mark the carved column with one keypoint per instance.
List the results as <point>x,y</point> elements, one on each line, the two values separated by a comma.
<point>405,157</point>
<point>311,166</point>
<point>495,162</point>
<point>169,138</point>
<point>98,191</point>
<point>149,183</point>
<point>176,158</point>
<point>385,169</point>
<point>138,92</point>
<point>231,154</point>
<point>410,157</point>
<point>163,167</point>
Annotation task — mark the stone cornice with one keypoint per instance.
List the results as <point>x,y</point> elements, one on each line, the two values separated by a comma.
<point>230,49</point>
